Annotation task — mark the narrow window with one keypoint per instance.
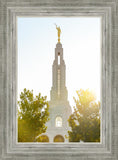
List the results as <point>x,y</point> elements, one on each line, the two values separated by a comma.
<point>58,58</point>
<point>58,82</point>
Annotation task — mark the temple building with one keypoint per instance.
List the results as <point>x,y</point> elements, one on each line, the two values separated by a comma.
<point>59,108</point>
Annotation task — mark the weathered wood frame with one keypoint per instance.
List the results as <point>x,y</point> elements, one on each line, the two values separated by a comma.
<point>10,10</point>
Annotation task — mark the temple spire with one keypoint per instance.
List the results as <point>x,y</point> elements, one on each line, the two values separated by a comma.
<point>59,90</point>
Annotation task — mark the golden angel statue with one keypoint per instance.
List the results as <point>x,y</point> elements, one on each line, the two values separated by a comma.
<point>59,32</point>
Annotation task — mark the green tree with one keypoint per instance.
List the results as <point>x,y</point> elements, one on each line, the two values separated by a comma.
<point>85,120</point>
<point>32,116</point>
<point>42,138</point>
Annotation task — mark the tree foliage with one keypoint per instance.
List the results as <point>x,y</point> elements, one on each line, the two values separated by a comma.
<point>32,116</point>
<point>85,120</point>
<point>42,138</point>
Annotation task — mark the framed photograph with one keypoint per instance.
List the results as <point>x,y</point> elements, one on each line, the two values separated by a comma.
<point>59,80</point>
<point>60,62</point>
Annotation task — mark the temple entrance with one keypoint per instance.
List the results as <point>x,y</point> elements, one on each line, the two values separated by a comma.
<point>58,138</point>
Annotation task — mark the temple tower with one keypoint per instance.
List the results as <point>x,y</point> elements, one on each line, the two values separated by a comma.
<point>59,90</point>
<point>59,108</point>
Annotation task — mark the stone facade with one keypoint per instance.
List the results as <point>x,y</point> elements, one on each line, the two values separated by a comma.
<point>59,107</point>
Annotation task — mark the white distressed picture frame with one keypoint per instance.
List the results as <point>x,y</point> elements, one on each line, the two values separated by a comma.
<point>9,11</point>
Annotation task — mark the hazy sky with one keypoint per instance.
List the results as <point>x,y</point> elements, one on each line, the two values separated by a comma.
<point>80,38</point>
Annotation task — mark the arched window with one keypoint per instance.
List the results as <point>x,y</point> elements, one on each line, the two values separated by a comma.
<point>43,138</point>
<point>58,122</point>
<point>58,138</point>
